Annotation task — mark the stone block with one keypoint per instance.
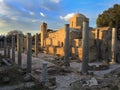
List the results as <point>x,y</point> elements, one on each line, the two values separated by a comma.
<point>48,41</point>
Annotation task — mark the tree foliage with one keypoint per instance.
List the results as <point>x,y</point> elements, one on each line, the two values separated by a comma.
<point>110,17</point>
<point>11,33</point>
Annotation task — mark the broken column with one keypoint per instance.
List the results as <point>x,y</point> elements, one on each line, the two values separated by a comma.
<point>19,49</point>
<point>36,44</point>
<point>113,45</point>
<point>85,47</point>
<point>43,33</point>
<point>5,47</point>
<point>29,52</point>
<point>66,46</point>
<point>44,78</point>
<point>13,48</point>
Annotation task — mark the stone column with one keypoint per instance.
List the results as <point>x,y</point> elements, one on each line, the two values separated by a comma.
<point>97,45</point>
<point>25,44</point>
<point>113,45</point>
<point>22,41</point>
<point>85,47</point>
<point>5,47</point>
<point>0,43</point>
<point>13,48</point>
<point>44,77</point>
<point>8,55</point>
<point>19,49</point>
<point>36,44</point>
<point>29,52</point>
<point>66,45</point>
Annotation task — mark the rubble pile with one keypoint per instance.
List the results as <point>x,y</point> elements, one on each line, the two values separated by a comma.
<point>110,81</point>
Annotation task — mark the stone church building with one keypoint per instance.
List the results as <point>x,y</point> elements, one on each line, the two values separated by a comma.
<point>100,40</point>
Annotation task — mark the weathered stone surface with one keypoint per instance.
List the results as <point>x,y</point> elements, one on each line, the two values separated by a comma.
<point>52,80</point>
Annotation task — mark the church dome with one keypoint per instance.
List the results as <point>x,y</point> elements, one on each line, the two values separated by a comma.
<point>76,21</point>
<point>79,15</point>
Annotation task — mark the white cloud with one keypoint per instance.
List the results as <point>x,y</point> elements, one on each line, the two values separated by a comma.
<point>55,1</point>
<point>42,14</point>
<point>34,21</point>
<point>14,18</point>
<point>1,0</point>
<point>31,13</point>
<point>66,17</point>
<point>4,10</point>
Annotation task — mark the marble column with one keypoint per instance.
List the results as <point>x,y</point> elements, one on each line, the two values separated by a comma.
<point>5,47</point>
<point>13,48</point>
<point>19,49</point>
<point>29,52</point>
<point>44,78</point>
<point>85,47</point>
<point>66,45</point>
<point>36,44</point>
<point>113,45</point>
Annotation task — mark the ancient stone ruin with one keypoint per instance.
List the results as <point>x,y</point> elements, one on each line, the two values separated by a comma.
<point>75,57</point>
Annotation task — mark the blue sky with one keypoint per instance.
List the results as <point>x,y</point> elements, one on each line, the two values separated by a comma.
<point>26,15</point>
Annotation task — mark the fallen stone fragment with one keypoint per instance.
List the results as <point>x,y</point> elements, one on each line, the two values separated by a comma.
<point>6,62</point>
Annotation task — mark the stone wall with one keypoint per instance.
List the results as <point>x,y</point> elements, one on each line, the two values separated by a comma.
<point>55,38</point>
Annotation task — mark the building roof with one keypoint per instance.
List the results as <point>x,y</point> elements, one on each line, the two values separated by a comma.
<point>79,15</point>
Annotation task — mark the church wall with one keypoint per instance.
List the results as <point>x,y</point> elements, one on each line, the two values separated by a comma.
<point>57,38</point>
<point>99,41</point>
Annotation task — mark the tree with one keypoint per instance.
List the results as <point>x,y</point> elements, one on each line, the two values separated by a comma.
<point>110,17</point>
<point>14,32</point>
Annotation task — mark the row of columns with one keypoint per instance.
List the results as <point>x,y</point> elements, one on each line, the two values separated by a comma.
<point>44,77</point>
<point>85,46</point>
<point>19,47</point>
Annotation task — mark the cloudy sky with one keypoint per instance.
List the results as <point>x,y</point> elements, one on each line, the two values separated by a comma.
<point>26,15</point>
